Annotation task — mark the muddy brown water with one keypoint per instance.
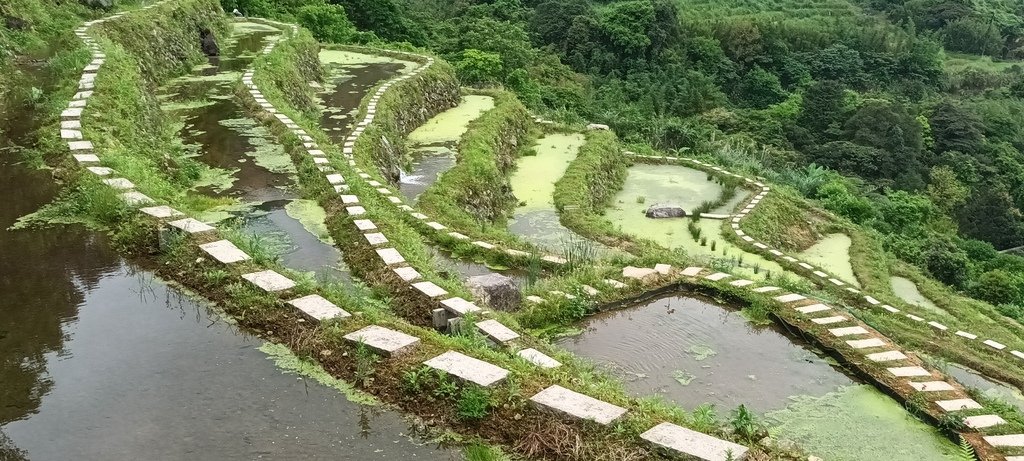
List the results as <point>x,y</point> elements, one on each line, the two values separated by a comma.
<point>693,352</point>
<point>258,170</point>
<point>99,360</point>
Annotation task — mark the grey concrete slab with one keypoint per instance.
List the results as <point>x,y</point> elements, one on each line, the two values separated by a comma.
<point>383,340</point>
<point>269,281</point>
<point>865,343</point>
<point>958,404</point>
<point>224,251</point>
<point>191,226</point>
<point>680,441</point>
<point>538,358</point>
<point>908,372</point>
<point>496,331</point>
<point>932,386</point>
<point>319,308</point>
<point>468,368</point>
<point>459,306</point>
<point>430,289</point>
<point>390,256</point>
<point>161,212</point>
<point>576,405</point>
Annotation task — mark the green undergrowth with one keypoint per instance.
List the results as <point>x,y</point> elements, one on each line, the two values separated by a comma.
<point>286,73</point>
<point>475,194</point>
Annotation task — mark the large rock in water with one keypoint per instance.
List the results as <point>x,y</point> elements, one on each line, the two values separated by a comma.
<point>661,210</point>
<point>497,291</point>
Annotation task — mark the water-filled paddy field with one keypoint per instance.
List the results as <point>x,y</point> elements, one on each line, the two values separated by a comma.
<point>906,290</point>
<point>833,254</point>
<point>432,145</point>
<point>688,188</point>
<point>245,163</point>
<point>693,352</point>
<point>533,184</point>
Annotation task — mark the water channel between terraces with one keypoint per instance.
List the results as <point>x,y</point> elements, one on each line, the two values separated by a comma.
<point>246,164</point>
<point>693,352</point>
<point>432,145</point>
<point>99,360</point>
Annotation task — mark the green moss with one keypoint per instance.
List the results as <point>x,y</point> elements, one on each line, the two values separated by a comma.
<point>451,124</point>
<point>833,254</point>
<point>291,363</point>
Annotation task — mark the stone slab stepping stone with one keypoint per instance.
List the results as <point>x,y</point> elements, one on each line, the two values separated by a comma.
<point>663,269</point>
<point>865,343</point>
<point>538,358</point>
<point>70,114</point>
<point>161,212</point>
<point>100,170</point>
<point>80,146</point>
<point>349,199</point>
<point>459,306</point>
<point>376,238</point>
<point>958,404</point>
<point>891,309</point>
<point>364,224</point>
<point>468,368</point>
<point>136,198</point>
<point>1015,458</point>
<point>932,386</point>
<point>554,259</point>
<point>938,326</point>
<point>983,421</point>
<point>484,245</point>
<point>319,308</point>
<point>872,301</point>
<point>967,335</point>
<point>535,299</point>
<point>692,271</point>
<point>119,183</point>
<point>430,289</point>
<point>407,273</point>
<point>390,256</point>
<point>224,251</point>
<point>497,332</point>
<point>741,283</point>
<point>590,291</point>
<point>639,273</point>
<point>829,320</point>
<point>573,404</point>
<point>718,276</point>
<point>766,289</point>
<point>848,331</point>
<point>71,125</point>
<point>790,298</point>
<point>1011,440</point>
<point>677,440</point>
<point>887,356</point>
<point>813,308</point>
<point>438,226</point>
<point>458,236</point>
<point>915,318</point>
<point>191,226</point>
<point>514,252</point>
<point>269,281</point>
<point>355,210</point>
<point>383,340</point>
<point>614,283</point>
<point>994,345</point>
<point>908,372</point>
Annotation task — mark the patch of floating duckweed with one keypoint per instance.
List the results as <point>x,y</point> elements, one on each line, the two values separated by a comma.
<point>858,423</point>
<point>190,104</point>
<point>450,125</point>
<point>907,291</point>
<point>671,184</point>
<point>683,377</point>
<point>225,212</point>
<point>312,217</point>
<point>701,352</point>
<point>833,254</point>
<point>351,58</point>
<point>290,363</point>
<point>215,179</point>
<point>533,182</point>
<point>265,152</point>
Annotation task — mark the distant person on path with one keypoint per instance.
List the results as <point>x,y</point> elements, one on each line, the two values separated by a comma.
<point>237,13</point>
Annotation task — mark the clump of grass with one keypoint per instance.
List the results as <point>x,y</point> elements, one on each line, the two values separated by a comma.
<point>714,243</point>
<point>641,199</point>
<point>474,403</point>
<point>704,207</point>
<point>694,229</point>
<point>366,362</point>
<point>579,253</point>
<point>703,241</point>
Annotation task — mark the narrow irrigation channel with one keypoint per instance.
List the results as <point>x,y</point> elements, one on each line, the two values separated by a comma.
<point>706,357</point>
<point>246,164</point>
<point>100,360</point>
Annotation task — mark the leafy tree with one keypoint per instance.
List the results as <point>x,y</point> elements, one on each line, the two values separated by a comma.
<point>475,66</point>
<point>901,210</point>
<point>997,287</point>
<point>626,25</point>
<point>990,215</point>
<point>822,110</point>
<point>837,198</point>
<point>760,88</point>
<point>946,262</point>
<point>946,191</point>
<point>955,128</point>
<point>970,35</point>
<point>838,62</point>
<point>328,23</point>
<point>385,18</point>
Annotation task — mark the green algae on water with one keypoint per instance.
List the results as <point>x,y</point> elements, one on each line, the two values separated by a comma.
<point>291,363</point>
<point>352,58</point>
<point>906,290</point>
<point>265,152</point>
<point>859,423</point>
<point>533,182</point>
<point>833,254</point>
<point>450,125</point>
<point>312,216</point>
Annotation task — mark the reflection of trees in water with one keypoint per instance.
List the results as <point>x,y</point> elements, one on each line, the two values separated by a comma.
<point>45,277</point>
<point>9,452</point>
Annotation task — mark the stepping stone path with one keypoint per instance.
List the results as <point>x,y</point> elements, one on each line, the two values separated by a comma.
<point>319,308</point>
<point>269,281</point>
<point>496,332</point>
<point>468,368</point>
<point>224,251</point>
<point>539,358</point>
